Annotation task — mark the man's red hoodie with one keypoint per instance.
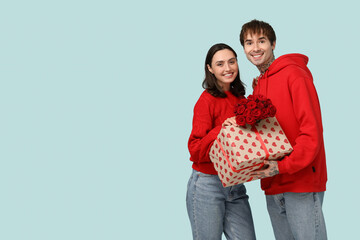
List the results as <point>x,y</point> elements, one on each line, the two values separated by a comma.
<point>289,84</point>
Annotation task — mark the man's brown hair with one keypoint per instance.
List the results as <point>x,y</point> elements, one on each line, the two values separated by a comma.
<point>257,27</point>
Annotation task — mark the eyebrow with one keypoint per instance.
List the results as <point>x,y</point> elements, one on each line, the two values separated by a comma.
<point>221,61</point>
<point>261,38</point>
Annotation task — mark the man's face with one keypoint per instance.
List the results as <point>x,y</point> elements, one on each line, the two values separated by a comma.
<point>258,49</point>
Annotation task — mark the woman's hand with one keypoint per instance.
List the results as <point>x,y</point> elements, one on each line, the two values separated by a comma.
<point>230,121</point>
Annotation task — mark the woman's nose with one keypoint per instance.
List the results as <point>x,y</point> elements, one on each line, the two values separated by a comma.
<point>227,66</point>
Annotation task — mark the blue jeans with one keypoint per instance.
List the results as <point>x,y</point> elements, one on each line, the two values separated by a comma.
<point>297,216</point>
<point>214,210</point>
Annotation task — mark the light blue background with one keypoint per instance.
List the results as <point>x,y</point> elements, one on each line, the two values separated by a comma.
<point>96,101</point>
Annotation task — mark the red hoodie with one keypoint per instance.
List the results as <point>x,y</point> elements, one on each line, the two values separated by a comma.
<point>289,84</point>
<point>209,114</point>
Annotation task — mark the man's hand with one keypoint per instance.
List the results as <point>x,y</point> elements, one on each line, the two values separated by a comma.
<point>269,169</point>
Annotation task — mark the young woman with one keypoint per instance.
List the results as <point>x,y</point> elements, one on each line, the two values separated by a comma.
<point>213,209</point>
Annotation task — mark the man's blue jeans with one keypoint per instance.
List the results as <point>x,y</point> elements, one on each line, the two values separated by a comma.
<point>213,209</point>
<point>297,216</point>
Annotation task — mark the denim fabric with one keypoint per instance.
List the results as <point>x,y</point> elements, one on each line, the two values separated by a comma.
<point>214,210</point>
<point>297,216</point>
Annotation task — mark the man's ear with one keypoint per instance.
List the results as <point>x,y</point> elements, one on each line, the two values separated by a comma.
<point>273,46</point>
<point>209,68</point>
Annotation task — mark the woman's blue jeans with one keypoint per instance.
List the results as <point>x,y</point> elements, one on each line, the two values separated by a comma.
<point>297,215</point>
<point>214,210</point>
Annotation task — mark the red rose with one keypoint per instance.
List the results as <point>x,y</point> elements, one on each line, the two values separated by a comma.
<point>256,113</point>
<point>261,98</point>
<point>243,101</point>
<point>247,112</point>
<point>250,120</point>
<point>272,111</point>
<point>251,104</point>
<point>240,120</point>
<point>264,113</point>
<point>260,105</point>
<point>251,97</point>
<point>240,109</point>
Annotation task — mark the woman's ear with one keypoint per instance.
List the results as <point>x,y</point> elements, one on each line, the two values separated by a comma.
<point>209,68</point>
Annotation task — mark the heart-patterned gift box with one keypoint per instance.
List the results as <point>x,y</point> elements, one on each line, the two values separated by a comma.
<point>239,150</point>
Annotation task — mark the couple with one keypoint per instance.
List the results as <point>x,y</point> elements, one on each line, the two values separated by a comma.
<point>294,187</point>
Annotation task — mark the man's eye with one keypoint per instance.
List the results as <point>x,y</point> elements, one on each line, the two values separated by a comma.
<point>219,64</point>
<point>248,43</point>
<point>232,61</point>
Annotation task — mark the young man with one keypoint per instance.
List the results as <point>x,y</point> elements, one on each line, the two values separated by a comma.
<point>294,186</point>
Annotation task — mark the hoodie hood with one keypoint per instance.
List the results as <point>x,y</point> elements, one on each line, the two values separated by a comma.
<point>282,62</point>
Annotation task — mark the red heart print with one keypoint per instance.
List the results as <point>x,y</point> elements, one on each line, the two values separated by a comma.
<point>246,141</point>
<point>227,179</point>
<point>225,170</point>
<point>286,141</point>
<point>250,150</point>
<point>270,150</point>
<point>241,132</point>
<point>227,143</point>
<point>281,132</point>
<point>274,144</point>
<point>269,135</point>
<point>282,147</point>
<point>272,129</point>
<point>246,157</point>
<point>233,144</point>
<point>261,132</point>
<point>228,135</point>
<point>237,138</point>
<point>216,146</point>
<point>238,154</point>
<point>266,141</point>
<point>249,135</point>
<point>232,153</point>
<point>277,138</point>
<point>231,174</point>
<point>222,134</point>
<point>254,144</point>
<point>276,124</point>
<point>220,159</point>
<point>232,129</point>
<point>258,153</point>
<point>221,167</point>
<point>264,126</point>
<point>267,120</point>
<point>241,147</point>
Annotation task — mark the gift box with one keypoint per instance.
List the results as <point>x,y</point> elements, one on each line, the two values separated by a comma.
<point>239,150</point>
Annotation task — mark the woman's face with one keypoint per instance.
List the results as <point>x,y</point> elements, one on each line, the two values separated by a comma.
<point>225,68</point>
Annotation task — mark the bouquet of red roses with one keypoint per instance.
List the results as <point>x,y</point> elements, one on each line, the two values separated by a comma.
<point>252,109</point>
